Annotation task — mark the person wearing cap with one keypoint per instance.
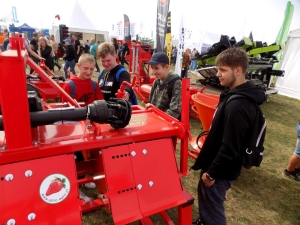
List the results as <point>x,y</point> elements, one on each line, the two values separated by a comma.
<point>69,57</point>
<point>166,89</point>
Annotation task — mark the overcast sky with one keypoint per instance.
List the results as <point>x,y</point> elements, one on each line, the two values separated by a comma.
<point>231,17</point>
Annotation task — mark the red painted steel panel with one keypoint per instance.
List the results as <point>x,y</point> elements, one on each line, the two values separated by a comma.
<point>156,175</point>
<point>42,191</point>
<point>1,195</point>
<point>121,185</point>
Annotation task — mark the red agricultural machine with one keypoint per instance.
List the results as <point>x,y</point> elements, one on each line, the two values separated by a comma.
<point>129,153</point>
<point>141,53</point>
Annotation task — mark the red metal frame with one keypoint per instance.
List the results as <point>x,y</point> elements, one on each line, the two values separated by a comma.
<point>47,151</point>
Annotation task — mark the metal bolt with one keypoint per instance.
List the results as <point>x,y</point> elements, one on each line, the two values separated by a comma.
<point>2,148</point>
<point>35,143</point>
<point>11,222</point>
<point>145,151</point>
<point>151,183</point>
<point>9,177</point>
<point>28,173</point>
<point>133,153</point>
<point>100,153</point>
<point>173,123</point>
<point>31,216</point>
<point>91,132</point>
<point>139,186</point>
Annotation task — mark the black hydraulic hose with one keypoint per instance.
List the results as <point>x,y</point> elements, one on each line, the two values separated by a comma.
<point>116,112</point>
<point>51,116</point>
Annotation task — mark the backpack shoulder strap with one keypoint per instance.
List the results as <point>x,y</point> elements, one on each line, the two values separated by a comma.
<point>94,85</point>
<point>100,75</point>
<point>171,85</point>
<point>234,96</point>
<point>154,85</point>
<point>72,87</point>
<point>122,69</point>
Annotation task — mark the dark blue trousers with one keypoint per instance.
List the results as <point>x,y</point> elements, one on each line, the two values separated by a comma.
<point>211,201</point>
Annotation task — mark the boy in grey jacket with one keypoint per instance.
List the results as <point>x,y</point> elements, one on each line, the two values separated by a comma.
<point>166,89</point>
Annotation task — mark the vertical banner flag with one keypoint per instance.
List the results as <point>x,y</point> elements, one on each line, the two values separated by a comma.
<point>169,37</point>
<point>126,27</point>
<point>180,48</point>
<point>132,30</point>
<point>120,33</point>
<point>14,14</point>
<point>161,23</point>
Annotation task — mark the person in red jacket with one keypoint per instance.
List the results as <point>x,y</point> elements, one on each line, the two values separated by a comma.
<point>81,87</point>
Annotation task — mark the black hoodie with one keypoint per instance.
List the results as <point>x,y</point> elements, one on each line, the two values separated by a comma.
<point>221,154</point>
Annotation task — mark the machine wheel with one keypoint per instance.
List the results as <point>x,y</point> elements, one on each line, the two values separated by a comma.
<point>31,87</point>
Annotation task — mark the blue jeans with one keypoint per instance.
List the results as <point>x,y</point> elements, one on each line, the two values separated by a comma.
<point>211,201</point>
<point>70,64</point>
<point>194,64</point>
<point>297,150</point>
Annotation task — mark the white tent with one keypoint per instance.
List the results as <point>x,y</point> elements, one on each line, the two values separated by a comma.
<point>289,85</point>
<point>79,22</point>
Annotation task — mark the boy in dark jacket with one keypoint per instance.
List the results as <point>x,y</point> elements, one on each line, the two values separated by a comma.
<point>166,89</point>
<point>221,156</point>
<point>69,57</point>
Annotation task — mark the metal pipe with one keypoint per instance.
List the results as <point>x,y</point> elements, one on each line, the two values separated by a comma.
<point>185,105</point>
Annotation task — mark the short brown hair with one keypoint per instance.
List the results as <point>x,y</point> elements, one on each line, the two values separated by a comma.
<point>106,48</point>
<point>233,57</point>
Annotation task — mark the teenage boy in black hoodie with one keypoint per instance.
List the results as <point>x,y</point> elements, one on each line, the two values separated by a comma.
<point>220,159</point>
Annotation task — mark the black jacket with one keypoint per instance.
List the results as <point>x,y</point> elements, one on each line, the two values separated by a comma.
<point>221,154</point>
<point>108,82</point>
<point>70,53</point>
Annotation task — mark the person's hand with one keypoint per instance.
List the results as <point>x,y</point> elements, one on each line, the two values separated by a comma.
<point>42,58</point>
<point>206,181</point>
<point>148,105</point>
<point>125,96</point>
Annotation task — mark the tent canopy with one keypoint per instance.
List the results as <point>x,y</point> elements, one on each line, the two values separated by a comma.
<point>289,85</point>
<point>25,27</point>
<point>26,30</point>
<point>81,23</point>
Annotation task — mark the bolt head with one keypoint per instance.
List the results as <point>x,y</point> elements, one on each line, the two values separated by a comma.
<point>31,216</point>
<point>139,187</point>
<point>11,222</point>
<point>133,153</point>
<point>144,151</point>
<point>28,173</point>
<point>151,183</point>
<point>9,177</point>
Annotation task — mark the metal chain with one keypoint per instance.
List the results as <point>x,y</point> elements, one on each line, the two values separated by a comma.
<point>87,122</point>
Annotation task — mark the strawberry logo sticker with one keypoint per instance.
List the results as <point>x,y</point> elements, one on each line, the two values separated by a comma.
<point>55,188</point>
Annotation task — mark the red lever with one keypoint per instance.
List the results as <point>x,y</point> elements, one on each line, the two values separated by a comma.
<point>121,91</point>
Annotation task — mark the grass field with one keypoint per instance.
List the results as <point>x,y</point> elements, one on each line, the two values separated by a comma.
<point>261,195</point>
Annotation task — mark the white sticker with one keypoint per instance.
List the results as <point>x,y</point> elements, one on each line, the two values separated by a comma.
<point>55,188</point>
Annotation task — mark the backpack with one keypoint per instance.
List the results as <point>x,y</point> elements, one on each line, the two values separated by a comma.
<point>253,155</point>
<point>133,98</point>
<point>73,87</point>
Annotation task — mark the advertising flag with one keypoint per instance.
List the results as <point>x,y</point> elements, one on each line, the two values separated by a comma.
<point>169,37</point>
<point>126,27</point>
<point>161,24</point>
